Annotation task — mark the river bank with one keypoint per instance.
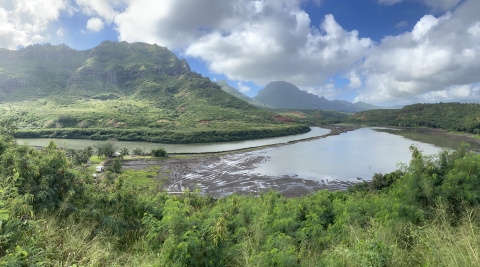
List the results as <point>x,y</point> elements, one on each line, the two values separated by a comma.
<point>222,173</point>
<point>451,135</point>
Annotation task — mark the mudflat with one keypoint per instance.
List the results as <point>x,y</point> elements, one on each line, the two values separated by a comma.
<point>225,173</point>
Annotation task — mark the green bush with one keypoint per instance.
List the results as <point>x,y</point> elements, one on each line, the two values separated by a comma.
<point>159,152</point>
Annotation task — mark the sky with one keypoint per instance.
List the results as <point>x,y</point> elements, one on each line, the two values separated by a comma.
<point>384,52</point>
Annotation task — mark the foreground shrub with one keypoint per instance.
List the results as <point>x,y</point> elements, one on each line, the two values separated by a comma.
<point>159,152</point>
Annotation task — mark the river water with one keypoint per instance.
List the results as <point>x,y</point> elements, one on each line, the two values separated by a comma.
<point>176,148</point>
<point>348,157</point>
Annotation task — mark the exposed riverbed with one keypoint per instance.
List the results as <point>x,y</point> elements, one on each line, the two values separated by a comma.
<point>333,158</point>
<point>296,169</point>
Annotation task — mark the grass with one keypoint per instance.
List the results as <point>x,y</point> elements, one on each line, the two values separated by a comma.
<point>95,162</point>
<point>146,177</point>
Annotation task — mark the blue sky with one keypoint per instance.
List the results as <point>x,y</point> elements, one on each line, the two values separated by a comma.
<point>384,52</point>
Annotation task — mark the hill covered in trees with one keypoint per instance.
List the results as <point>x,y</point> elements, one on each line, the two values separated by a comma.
<point>449,116</point>
<point>129,91</point>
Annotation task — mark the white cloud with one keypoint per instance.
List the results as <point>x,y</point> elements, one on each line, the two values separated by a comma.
<point>456,92</point>
<point>281,47</point>
<point>423,26</point>
<point>243,88</point>
<point>328,90</point>
<point>437,59</point>
<point>23,22</point>
<point>94,24</point>
<point>258,41</point>
<point>267,40</point>
<point>401,24</point>
<point>106,9</point>
<point>355,80</point>
<point>60,32</point>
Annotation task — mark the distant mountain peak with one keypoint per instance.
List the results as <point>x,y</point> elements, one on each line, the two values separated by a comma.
<point>285,95</point>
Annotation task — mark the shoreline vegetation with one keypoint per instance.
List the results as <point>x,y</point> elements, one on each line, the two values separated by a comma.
<point>161,136</point>
<point>53,212</point>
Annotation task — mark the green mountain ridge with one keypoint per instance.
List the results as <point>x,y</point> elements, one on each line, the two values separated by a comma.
<point>285,95</point>
<point>462,117</point>
<point>130,91</point>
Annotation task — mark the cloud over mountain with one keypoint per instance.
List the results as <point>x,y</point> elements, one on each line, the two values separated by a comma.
<point>433,58</point>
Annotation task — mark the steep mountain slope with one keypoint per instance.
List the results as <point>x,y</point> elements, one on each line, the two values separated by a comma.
<point>37,71</point>
<point>284,95</point>
<point>138,91</point>
<point>233,91</point>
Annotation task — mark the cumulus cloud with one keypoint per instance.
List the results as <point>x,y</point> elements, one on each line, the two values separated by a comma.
<point>258,41</point>
<point>23,22</point>
<point>465,93</point>
<point>355,80</point>
<point>328,90</point>
<point>94,24</point>
<point>106,9</point>
<point>267,40</point>
<point>243,88</point>
<point>439,58</point>
<point>60,31</point>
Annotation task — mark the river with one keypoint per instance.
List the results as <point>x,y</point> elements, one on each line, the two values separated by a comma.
<point>351,156</point>
<point>176,148</point>
<point>333,162</point>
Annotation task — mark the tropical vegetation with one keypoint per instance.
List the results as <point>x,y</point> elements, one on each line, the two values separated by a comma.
<point>125,91</point>
<point>460,117</point>
<point>53,212</point>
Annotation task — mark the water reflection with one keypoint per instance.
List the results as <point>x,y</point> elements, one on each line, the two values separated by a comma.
<point>176,148</point>
<point>348,157</point>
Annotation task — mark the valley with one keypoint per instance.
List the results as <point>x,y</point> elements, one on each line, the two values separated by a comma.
<point>204,173</point>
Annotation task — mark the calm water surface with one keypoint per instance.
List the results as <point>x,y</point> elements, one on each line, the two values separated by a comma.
<point>177,148</point>
<point>350,156</point>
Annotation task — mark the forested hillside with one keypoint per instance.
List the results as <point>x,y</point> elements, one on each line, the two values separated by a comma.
<point>127,91</point>
<point>54,213</point>
<point>449,116</point>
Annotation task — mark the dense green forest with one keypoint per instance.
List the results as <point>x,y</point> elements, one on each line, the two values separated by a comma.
<point>55,213</point>
<point>449,116</point>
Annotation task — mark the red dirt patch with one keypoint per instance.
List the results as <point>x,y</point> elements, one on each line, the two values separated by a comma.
<point>282,118</point>
<point>297,114</point>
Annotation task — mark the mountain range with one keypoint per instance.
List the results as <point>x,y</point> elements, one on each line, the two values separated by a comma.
<point>285,95</point>
<point>134,91</point>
